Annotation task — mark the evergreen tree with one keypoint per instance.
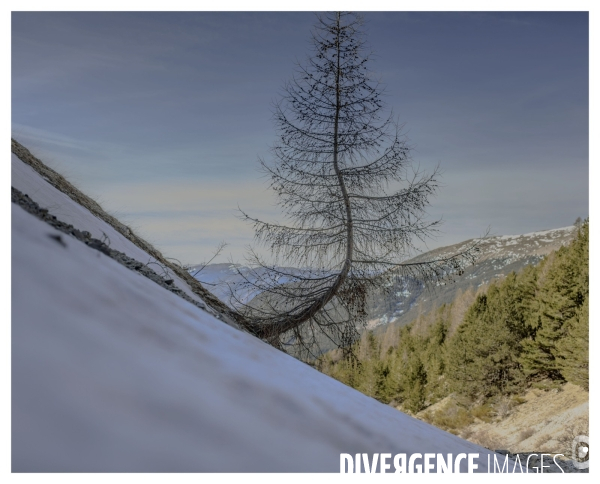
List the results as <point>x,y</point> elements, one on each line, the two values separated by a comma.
<point>413,376</point>
<point>435,357</point>
<point>561,297</point>
<point>483,355</point>
<point>572,351</point>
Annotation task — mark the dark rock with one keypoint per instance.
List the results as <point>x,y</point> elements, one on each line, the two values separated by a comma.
<point>58,238</point>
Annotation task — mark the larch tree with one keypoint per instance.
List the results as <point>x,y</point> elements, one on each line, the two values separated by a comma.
<point>352,202</point>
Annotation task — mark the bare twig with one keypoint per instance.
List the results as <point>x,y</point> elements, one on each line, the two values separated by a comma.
<point>218,251</point>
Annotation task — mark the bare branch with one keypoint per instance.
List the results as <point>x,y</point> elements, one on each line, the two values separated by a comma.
<point>218,251</point>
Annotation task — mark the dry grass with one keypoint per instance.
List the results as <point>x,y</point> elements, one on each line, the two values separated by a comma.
<point>483,412</point>
<point>525,434</point>
<point>487,440</point>
<point>548,385</point>
<point>565,440</point>
<point>541,440</point>
<point>503,407</point>
<point>518,400</point>
<point>541,420</point>
<point>451,417</point>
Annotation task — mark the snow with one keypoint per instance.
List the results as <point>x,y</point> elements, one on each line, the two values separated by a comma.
<point>223,279</point>
<point>28,181</point>
<point>552,232</point>
<point>112,373</point>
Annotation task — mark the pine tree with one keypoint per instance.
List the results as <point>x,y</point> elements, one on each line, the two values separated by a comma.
<point>561,297</point>
<point>435,356</point>
<point>572,351</point>
<point>483,354</point>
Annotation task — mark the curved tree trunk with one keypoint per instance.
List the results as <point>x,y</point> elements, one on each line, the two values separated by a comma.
<point>292,322</point>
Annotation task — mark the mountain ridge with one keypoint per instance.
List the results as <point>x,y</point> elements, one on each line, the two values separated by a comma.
<point>498,256</point>
<point>405,299</point>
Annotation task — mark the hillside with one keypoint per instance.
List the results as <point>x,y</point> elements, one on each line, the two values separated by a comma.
<point>120,365</point>
<point>541,420</point>
<point>507,367</point>
<point>499,256</point>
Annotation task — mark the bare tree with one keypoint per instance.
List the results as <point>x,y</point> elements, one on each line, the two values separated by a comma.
<point>353,203</point>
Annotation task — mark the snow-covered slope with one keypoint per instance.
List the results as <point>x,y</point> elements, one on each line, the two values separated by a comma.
<point>111,372</point>
<point>28,181</point>
<point>509,248</point>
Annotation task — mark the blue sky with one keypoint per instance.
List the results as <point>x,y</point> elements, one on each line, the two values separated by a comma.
<point>161,116</point>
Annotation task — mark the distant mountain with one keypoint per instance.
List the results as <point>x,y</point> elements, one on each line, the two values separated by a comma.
<point>222,279</point>
<point>216,277</point>
<point>406,298</point>
<point>499,256</point>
